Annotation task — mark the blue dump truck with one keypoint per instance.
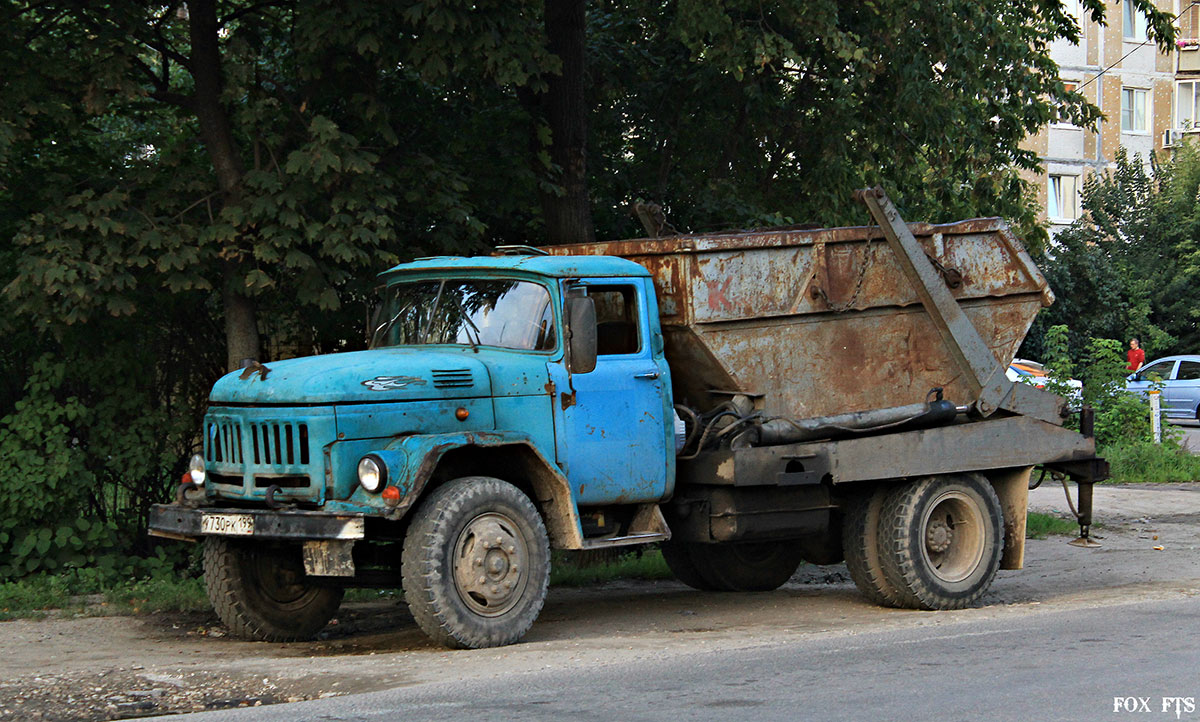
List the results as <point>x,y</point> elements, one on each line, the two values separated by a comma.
<point>746,401</point>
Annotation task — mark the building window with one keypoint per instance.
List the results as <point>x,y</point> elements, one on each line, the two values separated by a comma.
<point>1135,23</point>
<point>1133,110</point>
<point>1063,203</point>
<point>1060,117</point>
<point>1187,104</point>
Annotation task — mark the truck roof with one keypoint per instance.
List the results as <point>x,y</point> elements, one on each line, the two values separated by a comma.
<point>555,266</point>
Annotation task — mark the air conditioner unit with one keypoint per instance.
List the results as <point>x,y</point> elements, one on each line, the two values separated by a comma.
<point>1172,137</point>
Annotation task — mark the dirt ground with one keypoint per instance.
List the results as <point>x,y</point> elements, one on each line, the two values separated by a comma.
<point>100,668</point>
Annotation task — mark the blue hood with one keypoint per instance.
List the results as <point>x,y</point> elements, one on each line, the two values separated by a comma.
<point>389,374</point>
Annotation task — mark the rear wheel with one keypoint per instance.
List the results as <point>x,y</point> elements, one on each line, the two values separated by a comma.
<point>260,592</point>
<point>678,556</point>
<point>746,566</point>
<point>476,563</point>
<point>941,538</point>
<point>860,542</point>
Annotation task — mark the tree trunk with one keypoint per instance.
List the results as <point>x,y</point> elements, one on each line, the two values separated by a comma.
<point>241,315</point>
<point>241,323</point>
<point>563,107</point>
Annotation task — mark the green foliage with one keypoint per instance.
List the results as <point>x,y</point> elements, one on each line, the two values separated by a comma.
<point>1127,266</point>
<point>571,571</point>
<point>738,113</point>
<point>1144,461</point>
<point>35,595</point>
<point>82,466</point>
<point>162,593</point>
<point>1039,526</point>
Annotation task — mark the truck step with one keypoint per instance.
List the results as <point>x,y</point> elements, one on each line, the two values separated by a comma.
<point>648,525</point>
<point>618,541</point>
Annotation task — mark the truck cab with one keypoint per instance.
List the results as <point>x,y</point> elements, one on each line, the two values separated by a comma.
<point>531,391</point>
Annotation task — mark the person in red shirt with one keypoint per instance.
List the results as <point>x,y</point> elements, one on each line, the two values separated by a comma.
<point>1137,356</point>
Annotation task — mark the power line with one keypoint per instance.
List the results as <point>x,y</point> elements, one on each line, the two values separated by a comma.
<point>1140,45</point>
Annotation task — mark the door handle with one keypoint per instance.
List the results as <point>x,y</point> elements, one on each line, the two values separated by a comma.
<point>647,376</point>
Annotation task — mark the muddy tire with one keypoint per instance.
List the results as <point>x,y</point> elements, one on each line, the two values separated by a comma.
<point>746,566</point>
<point>260,591</point>
<point>941,538</point>
<point>860,543</point>
<point>476,564</point>
<point>678,556</point>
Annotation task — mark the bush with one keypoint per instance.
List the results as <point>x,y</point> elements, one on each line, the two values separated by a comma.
<point>1135,461</point>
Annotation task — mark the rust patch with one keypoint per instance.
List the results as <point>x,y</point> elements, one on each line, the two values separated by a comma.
<point>717,294</point>
<point>550,388</point>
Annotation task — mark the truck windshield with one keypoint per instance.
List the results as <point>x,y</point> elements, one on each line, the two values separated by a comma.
<point>508,314</point>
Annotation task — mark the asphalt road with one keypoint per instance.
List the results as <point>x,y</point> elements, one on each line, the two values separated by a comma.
<point>1191,435</point>
<point>1055,665</point>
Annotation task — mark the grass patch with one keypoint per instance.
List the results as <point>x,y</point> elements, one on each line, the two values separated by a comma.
<point>1137,462</point>
<point>157,595</point>
<point>33,597</point>
<point>1040,526</point>
<point>580,569</point>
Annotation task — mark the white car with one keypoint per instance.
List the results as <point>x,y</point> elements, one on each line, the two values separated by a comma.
<point>1034,374</point>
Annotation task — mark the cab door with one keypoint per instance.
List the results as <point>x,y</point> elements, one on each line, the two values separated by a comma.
<point>611,423</point>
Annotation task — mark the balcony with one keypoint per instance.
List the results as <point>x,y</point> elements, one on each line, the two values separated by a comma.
<point>1189,54</point>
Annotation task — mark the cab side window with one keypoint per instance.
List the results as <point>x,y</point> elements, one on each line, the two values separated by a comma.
<point>617,330</point>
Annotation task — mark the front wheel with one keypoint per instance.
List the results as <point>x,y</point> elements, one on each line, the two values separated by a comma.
<point>476,564</point>
<point>940,540</point>
<point>260,591</point>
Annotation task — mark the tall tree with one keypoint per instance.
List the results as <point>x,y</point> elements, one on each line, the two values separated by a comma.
<point>560,121</point>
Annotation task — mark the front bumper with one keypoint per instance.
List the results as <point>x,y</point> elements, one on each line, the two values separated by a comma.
<point>179,522</point>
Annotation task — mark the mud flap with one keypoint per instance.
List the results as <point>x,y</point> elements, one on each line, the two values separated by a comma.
<point>1012,487</point>
<point>329,558</point>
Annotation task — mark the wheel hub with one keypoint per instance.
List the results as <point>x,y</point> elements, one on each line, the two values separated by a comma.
<point>489,565</point>
<point>939,536</point>
<point>954,536</point>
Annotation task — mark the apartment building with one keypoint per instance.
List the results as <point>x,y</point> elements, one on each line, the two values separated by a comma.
<point>1134,85</point>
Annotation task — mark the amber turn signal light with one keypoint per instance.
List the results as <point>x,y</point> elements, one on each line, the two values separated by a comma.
<point>461,414</point>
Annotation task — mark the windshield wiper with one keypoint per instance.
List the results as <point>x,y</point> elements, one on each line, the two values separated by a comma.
<point>383,328</point>
<point>470,325</point>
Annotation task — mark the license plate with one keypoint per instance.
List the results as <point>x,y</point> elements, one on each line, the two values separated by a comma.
<point>232,524</point>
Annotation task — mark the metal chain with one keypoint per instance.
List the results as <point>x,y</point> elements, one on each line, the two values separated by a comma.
<point>868,256</point>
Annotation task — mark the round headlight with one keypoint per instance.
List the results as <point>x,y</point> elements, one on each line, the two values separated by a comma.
<point>372,473</point>
<point>196,469</point>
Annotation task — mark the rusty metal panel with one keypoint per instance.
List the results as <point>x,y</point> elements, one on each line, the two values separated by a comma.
<point>823,321</point>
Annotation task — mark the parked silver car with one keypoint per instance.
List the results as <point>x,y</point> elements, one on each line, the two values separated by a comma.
<point>1180,379</point>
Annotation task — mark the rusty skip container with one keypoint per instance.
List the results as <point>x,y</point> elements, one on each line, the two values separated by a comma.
<point>820,322</point>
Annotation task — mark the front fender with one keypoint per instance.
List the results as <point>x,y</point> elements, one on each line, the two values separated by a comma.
<point>513,452</point>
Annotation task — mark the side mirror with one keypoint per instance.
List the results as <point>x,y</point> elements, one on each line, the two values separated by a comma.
<point>581,334</point>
